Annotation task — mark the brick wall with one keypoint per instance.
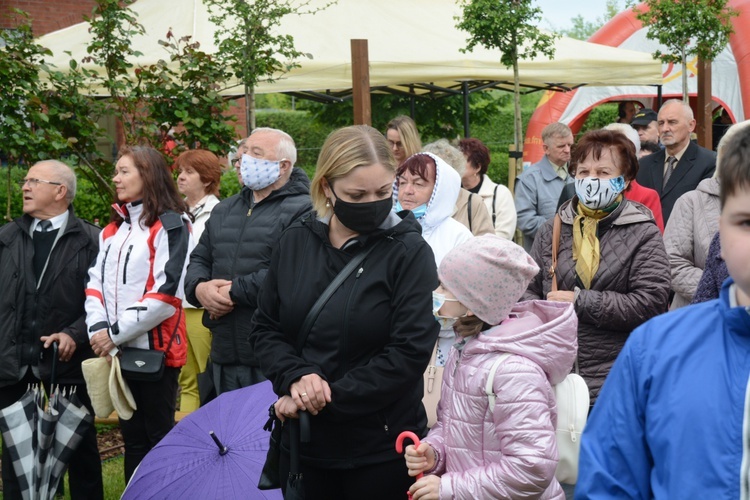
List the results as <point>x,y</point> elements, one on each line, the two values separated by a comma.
<point>46,15</point>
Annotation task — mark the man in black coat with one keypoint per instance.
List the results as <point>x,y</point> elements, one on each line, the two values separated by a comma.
<point>230,261</point>
<point>44,260</point>
<point>682,164</point>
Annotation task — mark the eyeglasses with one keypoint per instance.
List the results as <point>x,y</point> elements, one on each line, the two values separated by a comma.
<point>35,182</point>
<point>235,162</point>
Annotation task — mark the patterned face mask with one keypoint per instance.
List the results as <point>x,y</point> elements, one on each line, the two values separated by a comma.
<point>596,193</point>
<point>258,173</point>
<point>446,322</point>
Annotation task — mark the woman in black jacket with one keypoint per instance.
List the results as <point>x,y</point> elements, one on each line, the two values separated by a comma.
<point>359,373</point>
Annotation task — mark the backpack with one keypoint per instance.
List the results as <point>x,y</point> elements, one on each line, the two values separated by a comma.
<point>572,396</point>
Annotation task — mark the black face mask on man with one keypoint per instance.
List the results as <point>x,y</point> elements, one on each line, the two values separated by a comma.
<point>362,217</point>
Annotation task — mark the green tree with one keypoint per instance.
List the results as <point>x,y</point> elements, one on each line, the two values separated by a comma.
<point>582,29</point>
<point>247,36</point>
<point>511,27</point>
<point>688,28</point>
<point>184,88</point>
<point>42,113</point>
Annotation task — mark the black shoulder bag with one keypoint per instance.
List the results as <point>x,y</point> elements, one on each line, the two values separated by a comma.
<point>269,477</point>
<point>146,365</point>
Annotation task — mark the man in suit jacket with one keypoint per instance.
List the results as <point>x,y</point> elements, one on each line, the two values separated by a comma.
<point>539,186</point>
<point>682,164</point>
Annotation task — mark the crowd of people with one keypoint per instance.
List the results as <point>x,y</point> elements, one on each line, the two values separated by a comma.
<point>341,289</point>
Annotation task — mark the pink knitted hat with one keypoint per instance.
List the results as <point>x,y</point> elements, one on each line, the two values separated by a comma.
<point>488,274</point>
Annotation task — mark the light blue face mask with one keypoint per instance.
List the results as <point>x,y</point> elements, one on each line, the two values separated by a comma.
<point>418,211</point>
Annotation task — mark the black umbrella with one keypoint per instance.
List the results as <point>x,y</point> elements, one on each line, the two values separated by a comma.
<point>299,432</point>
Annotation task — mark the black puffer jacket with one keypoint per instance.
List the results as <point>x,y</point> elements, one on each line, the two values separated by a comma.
<point>58,304</point>
<point>237,245</point>
<point>630,287</point>
<point>371,342</point>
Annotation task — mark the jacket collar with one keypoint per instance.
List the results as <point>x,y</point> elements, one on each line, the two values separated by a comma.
<point>737,318</point>
<point>627,213</point>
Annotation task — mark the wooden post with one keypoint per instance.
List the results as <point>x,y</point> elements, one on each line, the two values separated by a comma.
<point>704,106</point>
<point>361,83</point>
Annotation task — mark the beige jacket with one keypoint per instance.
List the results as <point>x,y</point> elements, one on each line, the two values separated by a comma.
<point>504,207</point>
<point>481,223</point>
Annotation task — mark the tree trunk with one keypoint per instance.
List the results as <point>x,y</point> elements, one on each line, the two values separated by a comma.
<point>251,123</point>
<point>684,77</point>
<point>10,196</point>
<point>248,100</point>
<point>518,128</point>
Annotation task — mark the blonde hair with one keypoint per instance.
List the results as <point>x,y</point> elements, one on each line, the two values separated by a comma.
<point>344,150</point>
<point>407,130</point>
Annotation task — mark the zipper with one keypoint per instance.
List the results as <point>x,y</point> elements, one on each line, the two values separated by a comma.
<point>745,464</point>
<point>119,255</point>
<point>125,266</point>
<point>345,336</point>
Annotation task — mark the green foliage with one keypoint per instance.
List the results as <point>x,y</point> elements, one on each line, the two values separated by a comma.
<point>696,28</point>
<point>188,95</point>
<point>435,118</point>
<point>181,89</point>
<point>44,115</point>
<point>229,184</point>
<point>250,43</point>
<point>511,28</point>
<point>308,135</point>
<point>582,29</point>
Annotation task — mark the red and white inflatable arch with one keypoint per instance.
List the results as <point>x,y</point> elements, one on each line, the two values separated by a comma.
<point>730,79</point>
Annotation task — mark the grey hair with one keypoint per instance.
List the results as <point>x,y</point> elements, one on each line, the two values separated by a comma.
<point>286,148</point>
<point>685,106</point>
<point>65,175</point>
<point>629,132</point>
<point>448,153</point>
<point>555,129</point>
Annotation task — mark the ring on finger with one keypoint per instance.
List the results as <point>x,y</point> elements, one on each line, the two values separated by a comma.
<point>303,395</point>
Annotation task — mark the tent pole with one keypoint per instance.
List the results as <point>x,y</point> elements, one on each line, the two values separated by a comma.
<point>659,98</point>
<point>465,93</point>
<point>361,82</point>
<point>413,107</point>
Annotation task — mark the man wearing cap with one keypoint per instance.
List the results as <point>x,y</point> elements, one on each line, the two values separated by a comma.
<point>682,164</point>
<point>44,259</point>
<point>644,122</point>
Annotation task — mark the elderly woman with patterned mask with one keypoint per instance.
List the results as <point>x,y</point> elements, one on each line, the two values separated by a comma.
<point>611,262</point>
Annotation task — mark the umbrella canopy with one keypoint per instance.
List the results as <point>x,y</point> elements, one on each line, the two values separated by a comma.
<point>405,53</point>
<point>41,442</point>
<point>188,462</point>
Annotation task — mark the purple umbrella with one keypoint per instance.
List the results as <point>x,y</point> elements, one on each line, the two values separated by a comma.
<point>191,462</point>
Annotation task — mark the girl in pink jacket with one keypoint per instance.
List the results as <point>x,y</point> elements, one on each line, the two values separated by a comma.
<point>509,452</point>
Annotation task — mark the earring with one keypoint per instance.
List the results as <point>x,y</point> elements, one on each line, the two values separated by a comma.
<point>328,203</point>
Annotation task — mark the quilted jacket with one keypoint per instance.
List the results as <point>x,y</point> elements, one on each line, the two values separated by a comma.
<point>510,452</point>
<point>694,221</point>
<point>630,287</point>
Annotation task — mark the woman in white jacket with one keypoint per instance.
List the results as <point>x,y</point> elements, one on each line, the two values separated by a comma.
<point>497,198</point>
<point>198,180</point>
<point>135,290</point>
<point>428,187</point>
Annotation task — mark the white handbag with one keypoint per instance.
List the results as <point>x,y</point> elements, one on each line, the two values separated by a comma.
<point>572,397</point>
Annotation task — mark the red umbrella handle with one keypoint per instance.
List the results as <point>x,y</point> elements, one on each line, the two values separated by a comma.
<point>400,448</point>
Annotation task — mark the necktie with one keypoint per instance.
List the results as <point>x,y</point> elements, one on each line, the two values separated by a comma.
<point>44,226</point>
<point>671,162</point>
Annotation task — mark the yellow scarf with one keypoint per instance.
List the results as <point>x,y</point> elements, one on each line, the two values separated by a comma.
<point>585,242</point>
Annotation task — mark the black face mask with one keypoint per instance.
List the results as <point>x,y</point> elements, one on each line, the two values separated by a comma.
<point>362,217</point>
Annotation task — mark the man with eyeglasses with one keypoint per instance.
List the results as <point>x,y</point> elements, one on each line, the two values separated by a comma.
<point>44,259</point>
<point>230,261</point>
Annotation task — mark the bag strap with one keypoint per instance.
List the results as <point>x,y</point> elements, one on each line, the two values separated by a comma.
<point>489,386</point>
<point>332,287</point>
<point>556,228</point>
<point>494,199</point>
<point>174,332</point>
<point>470,200</point>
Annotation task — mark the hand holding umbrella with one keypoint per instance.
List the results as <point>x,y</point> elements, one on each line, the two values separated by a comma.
<point>419,457</point>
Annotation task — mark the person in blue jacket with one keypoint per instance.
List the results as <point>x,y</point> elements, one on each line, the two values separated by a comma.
<point>673,417</point>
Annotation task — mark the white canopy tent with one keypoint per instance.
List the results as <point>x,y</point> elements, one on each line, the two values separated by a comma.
<point>414,48</point>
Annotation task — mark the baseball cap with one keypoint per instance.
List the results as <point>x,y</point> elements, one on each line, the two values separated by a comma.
<point>644,117</point>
